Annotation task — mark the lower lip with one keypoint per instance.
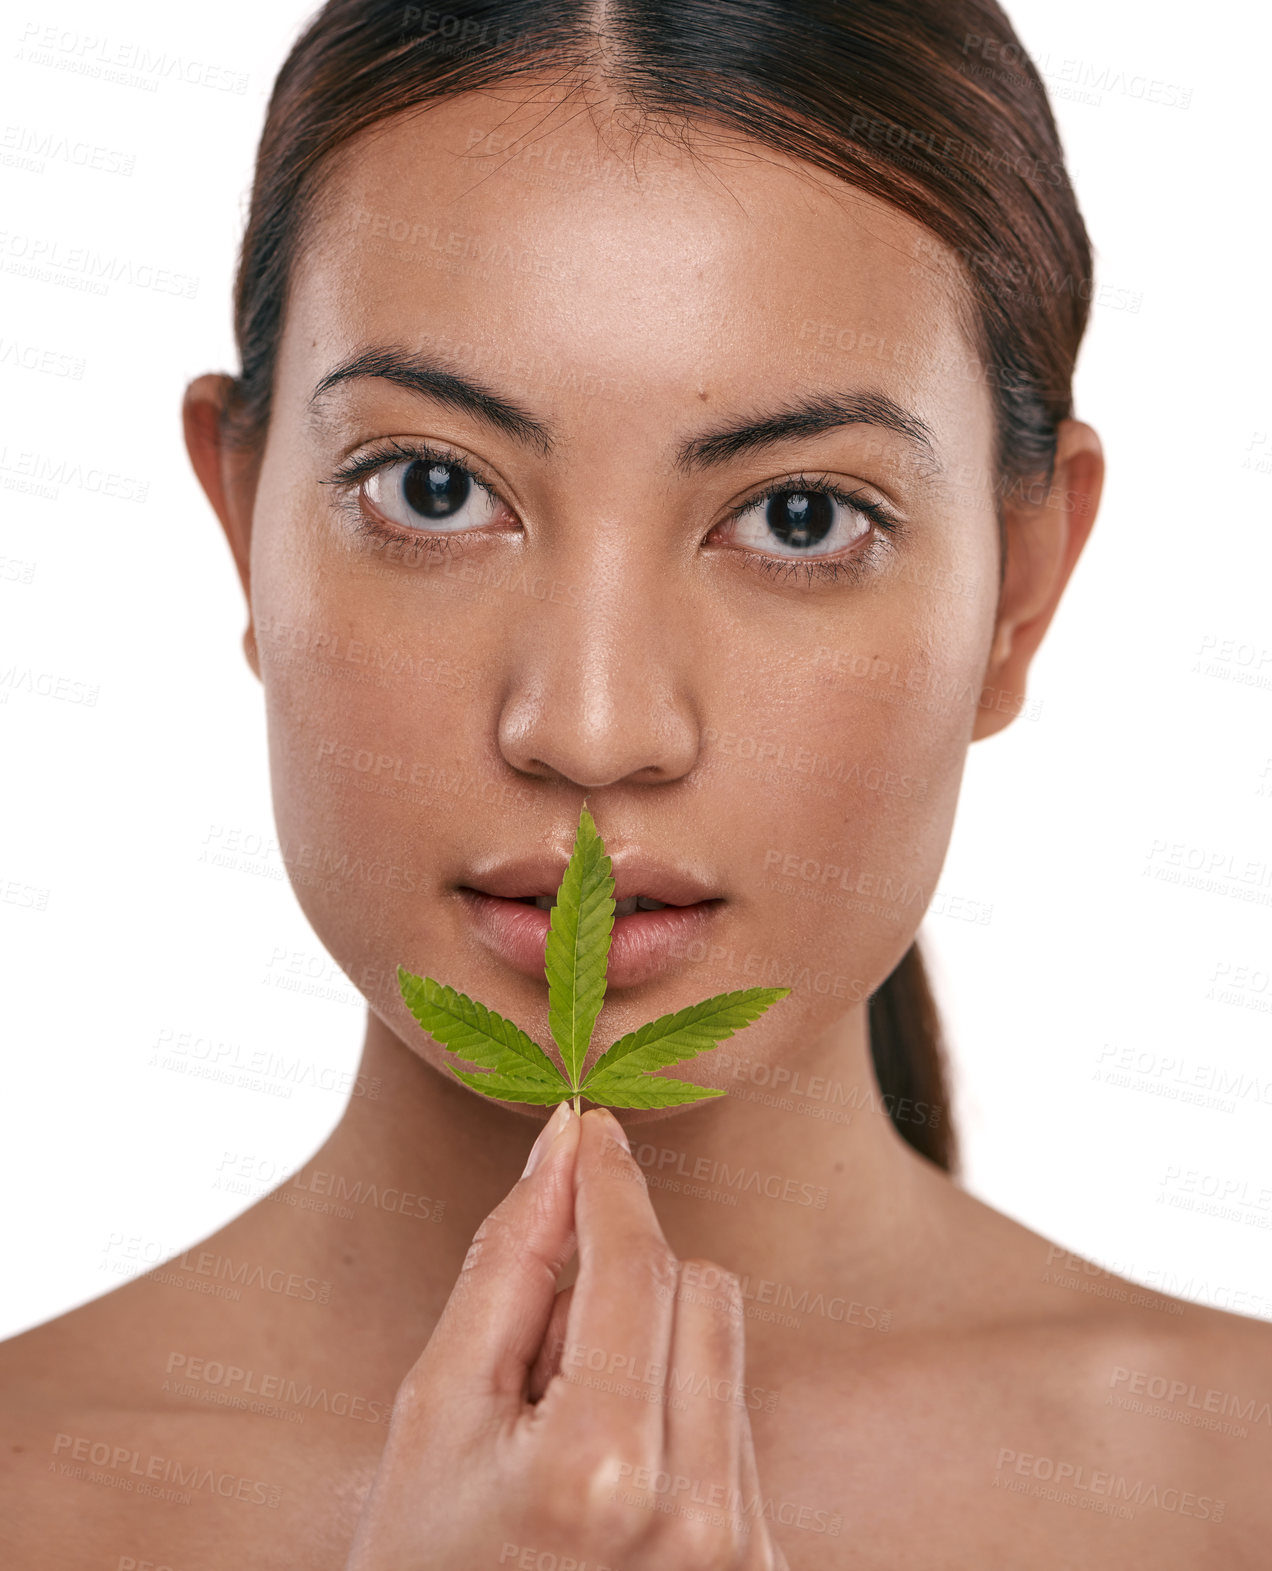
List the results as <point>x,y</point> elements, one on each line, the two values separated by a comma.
<point>641,945</point>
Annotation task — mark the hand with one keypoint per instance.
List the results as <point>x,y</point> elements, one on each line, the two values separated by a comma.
<point>585,1424</point>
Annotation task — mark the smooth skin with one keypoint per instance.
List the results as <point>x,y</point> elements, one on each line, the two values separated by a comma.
<point>917,1369</point>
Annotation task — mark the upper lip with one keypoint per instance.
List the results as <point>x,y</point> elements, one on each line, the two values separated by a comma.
<point>634,874</point>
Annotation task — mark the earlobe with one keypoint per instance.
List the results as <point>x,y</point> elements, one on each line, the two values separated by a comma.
<point>228,478</point>
<point>1045,537</point>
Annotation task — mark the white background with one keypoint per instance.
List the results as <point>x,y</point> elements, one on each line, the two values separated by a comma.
<point>1152,749</point>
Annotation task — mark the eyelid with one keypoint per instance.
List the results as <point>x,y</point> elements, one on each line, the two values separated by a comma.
<point>384,452</point>
<point>884,513</point>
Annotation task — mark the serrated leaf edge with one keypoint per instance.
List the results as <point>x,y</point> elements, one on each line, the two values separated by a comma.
<point>648,1090</point>
<point>507,1034</point>
<point>665,1027</point>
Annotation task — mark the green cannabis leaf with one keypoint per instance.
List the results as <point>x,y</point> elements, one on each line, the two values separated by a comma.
<point>514,1068</point>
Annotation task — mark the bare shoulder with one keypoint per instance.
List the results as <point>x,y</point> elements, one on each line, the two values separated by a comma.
<point>56,1381</point>
<point>1197,1353</point>
<point>103,1463</point>
<point>1187,1394</point>
<point>1163,1404</point>
<point>99,1355</point>
<point>1103,1394</point>
<point>1002,1273</point>
<point>77,1352</point>
<point>1203,1371</point>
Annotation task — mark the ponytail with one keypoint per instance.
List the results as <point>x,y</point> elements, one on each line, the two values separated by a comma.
<point>910,1061</point>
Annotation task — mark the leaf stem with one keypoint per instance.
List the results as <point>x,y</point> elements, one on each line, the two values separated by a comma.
<point>577,1108</point>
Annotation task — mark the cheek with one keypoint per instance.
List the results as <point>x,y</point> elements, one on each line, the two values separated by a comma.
<point>837,779</point>
<point>370,717</point>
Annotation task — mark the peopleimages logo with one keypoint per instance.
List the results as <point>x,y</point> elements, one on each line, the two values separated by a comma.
<point>1095,1483</point>
<point>117,60</point>
<point>810,870</point>
<point>55,469</point>
<point>95,268</point>
<point>234,1384</point>
<point>736,1180</point>
<point>1186,1394</point>
<point>678,1491</point>
<point>151,1470</point>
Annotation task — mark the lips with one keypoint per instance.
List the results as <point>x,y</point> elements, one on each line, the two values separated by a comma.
<point>509,908</point>
<point>635,875</point>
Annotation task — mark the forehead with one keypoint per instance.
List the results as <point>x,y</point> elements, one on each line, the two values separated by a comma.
<point>521,227</point>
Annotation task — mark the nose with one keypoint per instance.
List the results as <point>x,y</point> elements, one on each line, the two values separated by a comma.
<point>604,690</point>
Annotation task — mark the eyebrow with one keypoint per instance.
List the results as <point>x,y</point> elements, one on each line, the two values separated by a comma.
<point>808,416</point>
<point>444,383</point>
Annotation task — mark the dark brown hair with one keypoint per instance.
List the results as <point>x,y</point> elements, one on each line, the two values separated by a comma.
<point>930,105</point>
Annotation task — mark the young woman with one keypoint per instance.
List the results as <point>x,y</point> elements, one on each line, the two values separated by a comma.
<point>666,407</point>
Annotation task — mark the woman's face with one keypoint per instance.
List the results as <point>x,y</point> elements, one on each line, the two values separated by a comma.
<point>773,694</point>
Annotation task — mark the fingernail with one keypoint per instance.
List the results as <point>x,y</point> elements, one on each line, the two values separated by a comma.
<point>547,1135</point>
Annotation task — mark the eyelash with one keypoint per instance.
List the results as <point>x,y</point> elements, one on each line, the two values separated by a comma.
<point>389,451</point>
<point>354,471</point>
<point>852,568</point>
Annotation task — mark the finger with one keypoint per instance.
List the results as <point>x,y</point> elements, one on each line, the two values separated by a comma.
<point>619,1328</point>
<point>706,1392</point>
<point>491,1329</point>
<point>764,1553</point>
<point>548,1363</point>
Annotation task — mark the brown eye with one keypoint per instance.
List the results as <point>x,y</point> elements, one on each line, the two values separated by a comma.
<point>428,493</point>
<point>797,520</point>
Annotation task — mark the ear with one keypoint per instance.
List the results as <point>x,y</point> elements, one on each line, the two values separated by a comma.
<point>228,476</point>
<point>1045,534</point>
